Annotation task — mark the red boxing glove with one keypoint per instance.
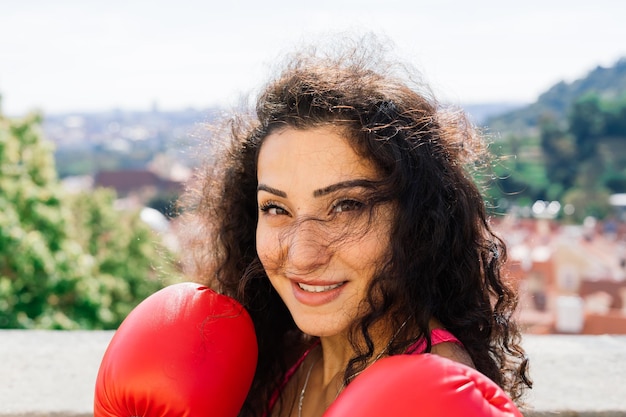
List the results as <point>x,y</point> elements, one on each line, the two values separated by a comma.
<point>424,385</point>
<point>185,351</point>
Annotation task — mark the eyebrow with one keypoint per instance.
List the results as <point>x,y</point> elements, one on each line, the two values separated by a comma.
<point>341,185</point>
<point>267,188</point>
<point>322,191</point>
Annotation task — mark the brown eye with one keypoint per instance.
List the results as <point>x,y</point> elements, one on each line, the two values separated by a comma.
<point>347,205</point>
<point>272,209</point>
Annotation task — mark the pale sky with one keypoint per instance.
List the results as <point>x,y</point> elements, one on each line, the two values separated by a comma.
<point>75,55</point>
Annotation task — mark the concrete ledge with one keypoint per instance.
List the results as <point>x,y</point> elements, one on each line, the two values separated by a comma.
<point>49,373</point>
<point>577,375</point>
<point>52,374</point>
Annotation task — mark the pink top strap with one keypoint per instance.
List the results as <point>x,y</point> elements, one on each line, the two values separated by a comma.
<point>436,336</point>
<point>290,373</point>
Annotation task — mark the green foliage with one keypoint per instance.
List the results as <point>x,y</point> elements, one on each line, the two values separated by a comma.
<point>586,123</point>
<point>568,146</point>
<point>520,174</point>
<point>66,261</point>
<point>588,202</point>
<point>559,151</point>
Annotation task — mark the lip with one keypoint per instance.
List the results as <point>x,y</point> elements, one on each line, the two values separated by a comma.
<point>316,293</point>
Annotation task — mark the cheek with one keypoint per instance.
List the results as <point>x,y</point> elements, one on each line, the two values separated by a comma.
<point>371,252</point>
<point>366,257</point>
<point>268,248</point>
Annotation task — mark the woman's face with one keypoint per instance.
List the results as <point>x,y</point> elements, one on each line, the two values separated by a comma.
<point>318,238</point>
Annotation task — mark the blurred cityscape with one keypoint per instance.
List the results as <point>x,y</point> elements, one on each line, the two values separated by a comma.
<point>571,277</point>
<point>80,188</point>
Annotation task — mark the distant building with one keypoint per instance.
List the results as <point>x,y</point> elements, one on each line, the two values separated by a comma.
<point>142,184</point>
<point>618,201</point>
<point>571,279</point>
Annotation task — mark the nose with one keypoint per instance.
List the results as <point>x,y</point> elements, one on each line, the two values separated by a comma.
<point>307,248</point>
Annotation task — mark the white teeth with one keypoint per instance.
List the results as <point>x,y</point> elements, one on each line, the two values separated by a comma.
<point>318,288</point>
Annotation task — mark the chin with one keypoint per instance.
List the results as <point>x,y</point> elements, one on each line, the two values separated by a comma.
<point>319,327</point>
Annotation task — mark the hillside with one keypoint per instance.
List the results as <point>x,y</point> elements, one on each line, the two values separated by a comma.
<point>606,82</point>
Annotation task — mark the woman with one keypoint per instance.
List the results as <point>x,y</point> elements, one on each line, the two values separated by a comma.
<point>344,218</point>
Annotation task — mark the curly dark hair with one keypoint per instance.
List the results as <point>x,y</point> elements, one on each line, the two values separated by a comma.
<point>445,261</point>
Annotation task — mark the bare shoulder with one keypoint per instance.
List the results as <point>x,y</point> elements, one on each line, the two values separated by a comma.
<point>453,352</point>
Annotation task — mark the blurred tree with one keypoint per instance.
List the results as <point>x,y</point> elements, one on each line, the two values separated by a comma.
<point>615,119</point>
<point>66,261</point>
<point>559,155</point>
<point>587,124</point>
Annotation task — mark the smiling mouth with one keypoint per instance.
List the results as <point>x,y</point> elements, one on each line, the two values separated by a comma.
<point>318,288</point>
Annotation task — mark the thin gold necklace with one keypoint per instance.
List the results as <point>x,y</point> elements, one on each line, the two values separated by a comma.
<point>306,382</point>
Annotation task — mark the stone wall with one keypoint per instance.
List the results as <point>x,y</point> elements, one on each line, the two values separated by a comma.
<point>46,373</point>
